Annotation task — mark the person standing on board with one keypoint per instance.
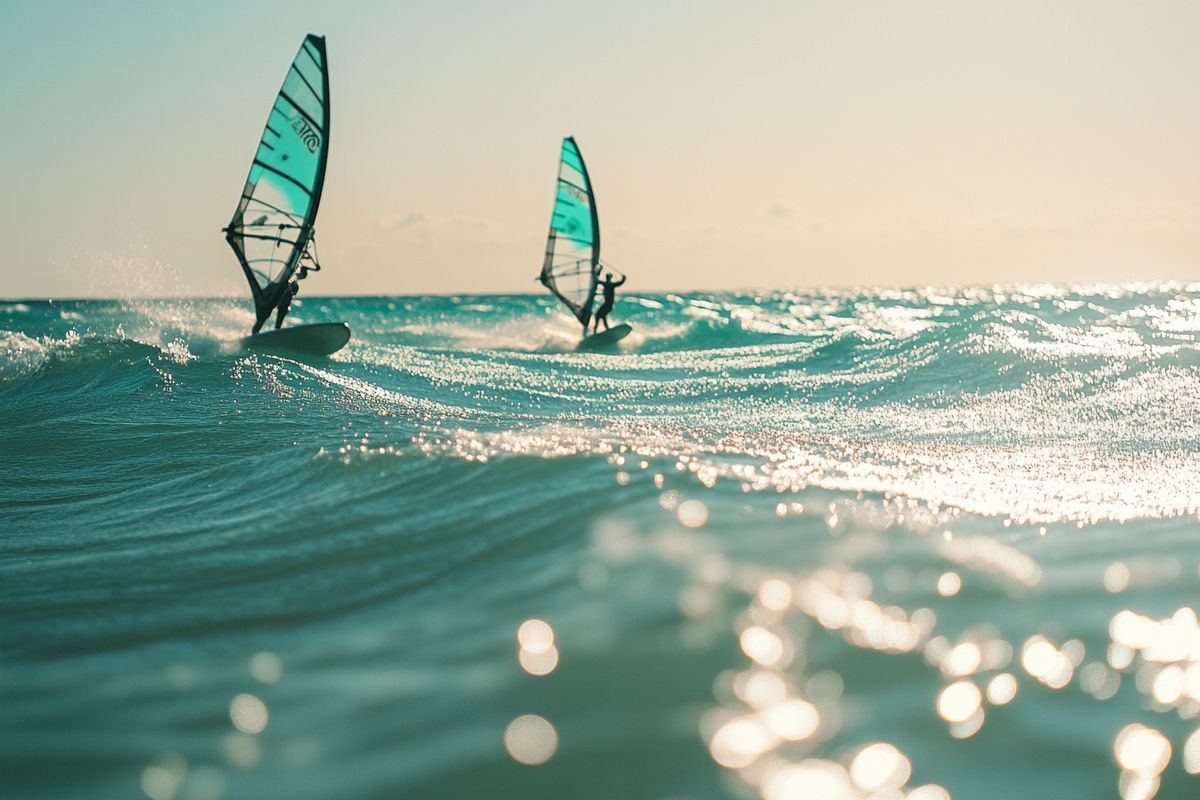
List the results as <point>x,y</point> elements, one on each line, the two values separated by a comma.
<point>610,297</point>
<point>281,310</point>
<point>285,303</point>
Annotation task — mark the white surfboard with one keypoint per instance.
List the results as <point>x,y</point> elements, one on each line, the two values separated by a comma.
<point>605,339</point>
<point>319,339</point>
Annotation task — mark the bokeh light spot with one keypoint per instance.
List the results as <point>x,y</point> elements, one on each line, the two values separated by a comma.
<point>959,701</point>
<point>1142,750</point>
<point>880,767</point>
<point>692,514</point>
<point>530,739</point>
<point>248,713</point>
<point>948,584</point>
<point>266,667</point>
<point>1001,689</point>
<point>535,635</point>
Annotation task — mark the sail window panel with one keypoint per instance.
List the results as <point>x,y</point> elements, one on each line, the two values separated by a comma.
<point>280,194</point>
<point>261,217</point>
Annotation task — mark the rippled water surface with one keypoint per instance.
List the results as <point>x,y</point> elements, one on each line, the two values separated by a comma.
<point>881,544</point>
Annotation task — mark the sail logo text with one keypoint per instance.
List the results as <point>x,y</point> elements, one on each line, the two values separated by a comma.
<point>311,138</point>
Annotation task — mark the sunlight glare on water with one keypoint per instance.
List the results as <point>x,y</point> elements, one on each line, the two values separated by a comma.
<point>848,544</point>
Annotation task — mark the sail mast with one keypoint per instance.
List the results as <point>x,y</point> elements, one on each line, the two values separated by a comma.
<point>309,230</point>
<point>595,220</point>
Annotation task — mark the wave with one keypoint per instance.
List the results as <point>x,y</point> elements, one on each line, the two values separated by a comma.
<point>766,495</point>
<point>957,398</point>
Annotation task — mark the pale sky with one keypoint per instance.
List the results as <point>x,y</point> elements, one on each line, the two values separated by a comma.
<point>747,145</point>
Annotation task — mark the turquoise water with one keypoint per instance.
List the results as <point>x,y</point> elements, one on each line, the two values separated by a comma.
<point>780,545</point>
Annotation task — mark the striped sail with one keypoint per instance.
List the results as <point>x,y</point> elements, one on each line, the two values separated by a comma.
<point>272,227</point>
<point>572,265</point>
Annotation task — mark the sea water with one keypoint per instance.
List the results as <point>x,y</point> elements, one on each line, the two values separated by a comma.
<point>918,543</point>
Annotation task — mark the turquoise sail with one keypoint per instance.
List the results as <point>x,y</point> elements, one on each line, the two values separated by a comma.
<point>272,227</point>
<point>571,268</point>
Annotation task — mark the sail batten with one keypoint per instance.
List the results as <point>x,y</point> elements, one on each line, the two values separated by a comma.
<point>572,265</point>
<point>283,189</point>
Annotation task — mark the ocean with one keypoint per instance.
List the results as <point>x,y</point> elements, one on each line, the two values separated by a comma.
<point>890,543</point>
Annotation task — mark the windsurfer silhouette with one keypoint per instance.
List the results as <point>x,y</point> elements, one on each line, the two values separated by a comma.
<point>285,303</point>
<point>610,297</point>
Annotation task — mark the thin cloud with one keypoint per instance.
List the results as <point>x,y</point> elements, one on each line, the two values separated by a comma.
<point>779,210</point>
<point>786,213</point>
<point>403,221</point>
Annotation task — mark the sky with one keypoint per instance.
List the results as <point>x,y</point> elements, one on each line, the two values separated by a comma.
<point>750,145</point>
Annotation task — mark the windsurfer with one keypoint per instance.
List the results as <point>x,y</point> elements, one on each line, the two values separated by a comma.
<point>285,303</point>
<point>281,310</point>
<point>610,297</point>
